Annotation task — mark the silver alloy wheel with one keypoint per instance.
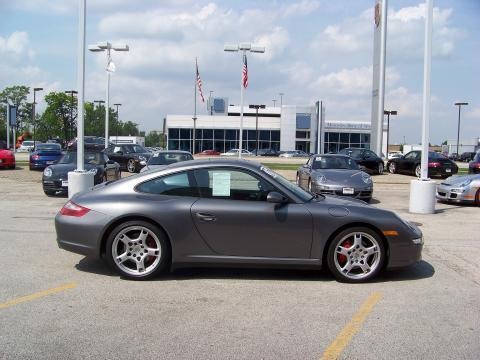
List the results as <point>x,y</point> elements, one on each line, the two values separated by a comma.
<point>380,168</point>
<point>357,255</point>
<point>418,171</point>
<point>131,165</point>
<point>392,168</point>
<point>136,250</point>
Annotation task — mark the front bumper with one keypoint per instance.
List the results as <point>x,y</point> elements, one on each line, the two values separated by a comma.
<point>358,193</point>
<point>445,193</point>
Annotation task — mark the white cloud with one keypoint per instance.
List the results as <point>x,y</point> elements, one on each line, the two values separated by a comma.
<point>304,7</point>
<point>16,45</point>
<point>275,42</point>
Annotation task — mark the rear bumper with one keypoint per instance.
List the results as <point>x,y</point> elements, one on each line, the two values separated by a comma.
<point>441,171</point>
<point>7,162</point>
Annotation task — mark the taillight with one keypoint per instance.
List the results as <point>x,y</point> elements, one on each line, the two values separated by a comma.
<point>433,164</point>
<point>72,209</point>
<point>35,157</point>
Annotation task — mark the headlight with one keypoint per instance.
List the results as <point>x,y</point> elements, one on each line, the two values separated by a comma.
<point>418,241</point>
<point>93,171</point>
<point>47,172</point>
<point>366,178</point>
<point>142,158</point>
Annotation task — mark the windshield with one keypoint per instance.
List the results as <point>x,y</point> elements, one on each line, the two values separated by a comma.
<point>49,147</point>
<point>355,153</point>
<point>334,162</point>
<point>298,191</point>
<point>89,158</point>
<point>434,155</point>
<point>168,158</point>
<point>27,143</point>
<point>477,157</point>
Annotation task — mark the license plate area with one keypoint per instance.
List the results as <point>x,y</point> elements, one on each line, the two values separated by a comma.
<point>348,191</point>
<point>64,183</point>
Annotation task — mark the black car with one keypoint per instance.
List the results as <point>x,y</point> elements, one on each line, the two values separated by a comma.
<point>266,152</point>
<point>467,156</point>
<point>55,177</point>
<point>131,157</point>
<point>89,142</point>
<point>474,165</point>
<point>366,159</point>
<point>438,165</point>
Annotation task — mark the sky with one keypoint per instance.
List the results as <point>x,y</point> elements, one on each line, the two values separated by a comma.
<point>315,50</point>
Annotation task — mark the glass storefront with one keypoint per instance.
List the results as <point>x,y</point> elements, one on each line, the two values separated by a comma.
<point>336,141</point>
<point>222,140</point>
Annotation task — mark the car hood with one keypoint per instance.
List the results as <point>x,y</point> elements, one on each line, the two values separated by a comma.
<point>458,179</point>
<point>341,176</point>
<point>62,169</point>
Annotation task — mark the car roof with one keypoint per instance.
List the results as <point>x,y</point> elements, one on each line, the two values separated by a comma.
<point>331,155</point>
<point>172,152</point>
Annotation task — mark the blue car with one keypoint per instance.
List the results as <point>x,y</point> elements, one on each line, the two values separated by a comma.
<point>45,155</point>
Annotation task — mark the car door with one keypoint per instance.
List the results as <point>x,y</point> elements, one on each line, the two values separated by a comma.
<point>370,160</point>
<point>234,218</point>
<point>407,163</point>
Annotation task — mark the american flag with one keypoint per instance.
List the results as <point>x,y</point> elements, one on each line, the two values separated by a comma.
<point>199,82</point>
<point>245,72</point>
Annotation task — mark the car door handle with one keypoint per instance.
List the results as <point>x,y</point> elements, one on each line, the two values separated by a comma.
<point>206,217</point>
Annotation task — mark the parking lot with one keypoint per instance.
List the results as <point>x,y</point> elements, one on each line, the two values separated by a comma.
<point>55,304</point>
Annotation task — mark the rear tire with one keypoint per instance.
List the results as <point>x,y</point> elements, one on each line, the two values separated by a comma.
<point>392,168</point>
<point>418,170</point>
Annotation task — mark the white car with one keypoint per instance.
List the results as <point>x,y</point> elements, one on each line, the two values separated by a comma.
<point>293,153</point>
<point>394,155</point>
<point>28,145</point>
<point>234,152</point>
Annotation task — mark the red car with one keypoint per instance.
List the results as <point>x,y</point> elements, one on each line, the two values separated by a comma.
<point>7,158</point>
<point>209,152</point>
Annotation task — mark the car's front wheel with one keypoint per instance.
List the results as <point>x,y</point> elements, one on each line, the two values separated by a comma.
<point>131,167</point>
<point>392,168</point>
<point>356,255</point>
<point>137,250</point>
<point>418,170</point>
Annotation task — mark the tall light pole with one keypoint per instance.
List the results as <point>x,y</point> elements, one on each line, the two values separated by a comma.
<point>459,104</point>
<point>388,113</point>
<point>34,120</point>
<point>281,98</point>
<point>210,102</point>
<point>244,47</point>
<point>71,93</point>
<point>274,102</point>
<point>106,46</point>
<point>256,107</point>
<point>118,122</point>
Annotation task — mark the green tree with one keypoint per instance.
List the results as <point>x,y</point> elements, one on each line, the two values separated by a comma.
<point>129,128</point>
<point>57,119</point>
<point>155,138</point>
<point>16,95</point>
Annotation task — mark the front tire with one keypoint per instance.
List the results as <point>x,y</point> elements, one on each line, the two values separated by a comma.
<point>137,250</point>
<point>356,255</point>
<point>418,170</point>
<point>392,168</point>
<point>131,167</point>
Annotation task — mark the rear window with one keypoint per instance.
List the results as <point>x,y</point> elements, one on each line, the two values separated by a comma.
<point>51,147</point>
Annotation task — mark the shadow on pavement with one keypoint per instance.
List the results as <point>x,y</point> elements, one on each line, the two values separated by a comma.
<point>419,271</point>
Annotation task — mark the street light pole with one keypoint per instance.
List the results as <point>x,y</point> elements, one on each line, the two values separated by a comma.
<point>107,46</point>
<point>274,102</point>
<point>118,122</point>
<point>256,107</point>
<point>71,93</point>
<point>388,113</point>
<point>244,47</point>
<point>34,120</point>
<point>281,98</point>
<point>459,104</point>
<point>210,102</point>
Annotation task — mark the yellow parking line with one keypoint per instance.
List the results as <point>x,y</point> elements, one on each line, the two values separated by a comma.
<point>342,340</point>
<point>37,295</point>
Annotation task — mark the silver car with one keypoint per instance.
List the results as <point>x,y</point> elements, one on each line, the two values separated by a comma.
<point>335,175</point>
<point>460,188</point>
<point>161,159</point>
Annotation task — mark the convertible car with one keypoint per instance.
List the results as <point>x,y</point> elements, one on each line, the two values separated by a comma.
<point>231,212</point>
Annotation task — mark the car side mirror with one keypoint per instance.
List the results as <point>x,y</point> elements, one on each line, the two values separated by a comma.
<point>276,198</point>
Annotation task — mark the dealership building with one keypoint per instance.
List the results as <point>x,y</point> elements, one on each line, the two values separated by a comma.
<point>286,127</point>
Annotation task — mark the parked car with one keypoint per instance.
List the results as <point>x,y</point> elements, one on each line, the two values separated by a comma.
<point>234,152</point>
<point>7,157</point>
<point>162,159</point>
<point>44,155</point>
<point>231,212</point>
<point>56,141</point>
<point>453,156</point>
<point>209,152</point>
<point>131,157</point>
<point>463,188</point>
<point>394,155</point>
<point>467,156</point>
<point>474,165</point>
<point>265,152</point>
<point>438,165</point>
<point>335,175</point>
<point>293,153</point>
<point>55,177</point>
<point>89,143</point>
<point>28,145</point>
<point>366,159</point>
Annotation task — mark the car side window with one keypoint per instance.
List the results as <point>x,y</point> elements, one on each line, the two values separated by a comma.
<point>173,185</point>
<point>411,156</point>
<point>231,184</point>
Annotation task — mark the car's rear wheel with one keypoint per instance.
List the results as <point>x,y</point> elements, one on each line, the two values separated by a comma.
<point>356,255</point>
<point>380,169</point>
<point>392,168</point>
<point>131,166</point>
<point>418,170</point>
<point>137,250</point>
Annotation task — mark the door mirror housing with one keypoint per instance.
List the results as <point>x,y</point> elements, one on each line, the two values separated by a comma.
<point>276,198</point>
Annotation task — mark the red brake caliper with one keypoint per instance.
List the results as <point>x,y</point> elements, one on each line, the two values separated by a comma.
<point>342,258</point>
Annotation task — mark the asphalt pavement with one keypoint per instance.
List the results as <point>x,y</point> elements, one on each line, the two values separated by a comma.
<point>59,305</point>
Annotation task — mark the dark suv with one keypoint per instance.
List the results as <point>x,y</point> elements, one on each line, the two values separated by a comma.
<point>90,143</point>
<point>366,159</point>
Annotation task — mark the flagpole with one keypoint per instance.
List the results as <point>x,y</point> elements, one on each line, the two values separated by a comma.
<point>194,105</point>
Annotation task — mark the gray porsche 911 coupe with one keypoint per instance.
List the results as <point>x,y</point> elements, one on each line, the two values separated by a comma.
<point>335,175</point>
<point>231,213</point>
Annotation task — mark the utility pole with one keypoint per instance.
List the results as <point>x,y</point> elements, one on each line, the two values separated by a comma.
<point>256,107</point>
